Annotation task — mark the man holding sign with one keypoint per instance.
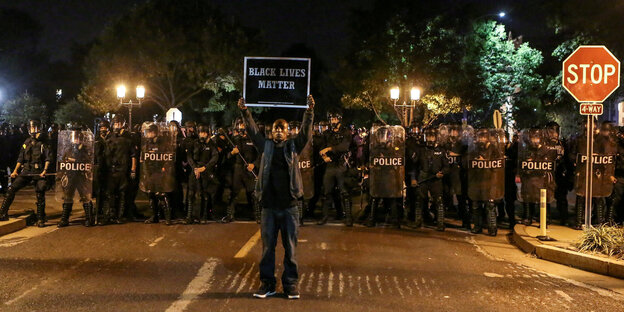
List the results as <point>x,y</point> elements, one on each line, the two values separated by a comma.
<point>279,171</point>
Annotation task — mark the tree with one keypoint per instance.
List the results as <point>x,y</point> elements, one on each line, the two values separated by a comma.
<point>23,108</point>
<point>75,111</point>
<point>177,49</point>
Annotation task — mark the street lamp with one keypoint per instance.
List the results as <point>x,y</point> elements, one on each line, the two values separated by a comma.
<point>140,95</point>
<point>405,108</point>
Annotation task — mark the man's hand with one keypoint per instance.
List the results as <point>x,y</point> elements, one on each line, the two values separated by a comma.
<point>250,167</point>
<point>325,150</point>
<point>133,174</point>
<point>234,151</point>
<point>439,175</point>
<point>311,102</point>
<point>414,183</point>
<point>43,173</point>
<point>13,174</point>
<point>241,104</point>
<point>613,179</point>
<point>326,158</point>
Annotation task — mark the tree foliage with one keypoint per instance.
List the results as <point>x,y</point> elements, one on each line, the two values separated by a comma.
<point>75,111</point>
<point>177,49</point>
<point>23,108</point>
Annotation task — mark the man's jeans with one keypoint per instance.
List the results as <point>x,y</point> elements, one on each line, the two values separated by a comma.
<point>274,221</point>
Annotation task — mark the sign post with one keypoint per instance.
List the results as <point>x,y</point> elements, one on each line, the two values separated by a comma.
<point>590,74</point>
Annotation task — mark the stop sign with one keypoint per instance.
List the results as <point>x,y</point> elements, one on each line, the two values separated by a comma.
<point>591,73</point>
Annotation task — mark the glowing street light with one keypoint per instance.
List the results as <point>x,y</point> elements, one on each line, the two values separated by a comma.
<point>394,93</point>
<point>121,94</point>
<point>501,14</point>
<point>415,94</point>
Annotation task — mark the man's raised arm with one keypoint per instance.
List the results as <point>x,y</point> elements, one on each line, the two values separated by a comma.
<point>252,129</point>
<point>305,135</point>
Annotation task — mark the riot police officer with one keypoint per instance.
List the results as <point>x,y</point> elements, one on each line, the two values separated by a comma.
<point>34,160</point>
<point>100,169</point>
<point>455,181</point>
<point>121,165</point>
<point>246,161</point>
<point>335,146</point>
<point>75,160</point>
<point>203,157</point>
<point>413,148</point>
<point>562,168</point>
<point>433,167</point>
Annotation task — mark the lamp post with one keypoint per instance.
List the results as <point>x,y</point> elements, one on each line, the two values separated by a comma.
<point>404,108</point>
<point>140,95</point>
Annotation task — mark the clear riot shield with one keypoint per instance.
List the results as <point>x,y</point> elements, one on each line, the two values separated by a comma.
<point>454,139</point>
<point>74,166</point>
<point>307,171</point>
<point>605,152</point>
<point>486,165</point>
<point>158,156</point>
<point>387,161</point>
<point>537,155</point>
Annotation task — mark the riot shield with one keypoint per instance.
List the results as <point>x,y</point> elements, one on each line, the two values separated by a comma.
<point>454,140</point>
<point>486,165</point>
<point>158,157</point>
<point>307,170</point>
<point>605,152</point>
<point>537,155</point>
<point>387,161</point>
<point>74,166</point>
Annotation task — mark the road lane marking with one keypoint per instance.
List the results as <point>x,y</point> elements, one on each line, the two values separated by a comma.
<point>330,283</point>
<point>564,295</point>
<point>235,279</point>
<point>310,281</point>
<point>341,283</point>
<point>156,241</point>
<point>398,287</point>
<point>199,285</point>
<point>488,274</point>
<point>319,287</point>
<point>368,286</point>
<point>245,279</point>
<point>247,247</point>
<point>378,284</point>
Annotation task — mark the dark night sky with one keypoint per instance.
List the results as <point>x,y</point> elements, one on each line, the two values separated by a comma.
<point>321,24</point>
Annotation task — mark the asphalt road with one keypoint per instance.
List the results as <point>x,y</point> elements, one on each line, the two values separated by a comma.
<point>214,267</point>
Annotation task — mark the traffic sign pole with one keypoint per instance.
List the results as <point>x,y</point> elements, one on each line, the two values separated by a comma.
<point>589,164</point>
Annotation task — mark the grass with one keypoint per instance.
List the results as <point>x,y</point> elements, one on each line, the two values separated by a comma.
<point>608,240</point>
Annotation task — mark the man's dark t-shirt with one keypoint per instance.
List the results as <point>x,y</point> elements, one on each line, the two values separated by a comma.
<point>278,194</point>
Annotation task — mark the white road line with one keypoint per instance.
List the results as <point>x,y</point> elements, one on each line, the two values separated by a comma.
<point>245,278</point>
<point>398,287</point>
<point>330,283</point>
<point>488,274</point>
<point>378,284</point>
<point>199,285</point>
<point>319,286</point>
<point>359,281</point>
<point>247,247</point>
<point>409,288</point>
<point>341,283</point>
<point>301,278</point>
<point>156,241</point>
<point>235,279</point>
<point>370,290</point>
<point>310,281</point>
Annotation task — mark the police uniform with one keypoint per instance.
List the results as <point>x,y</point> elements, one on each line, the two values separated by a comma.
<point>119,154</point>
<point>335,170</point>
<point>203,153</point>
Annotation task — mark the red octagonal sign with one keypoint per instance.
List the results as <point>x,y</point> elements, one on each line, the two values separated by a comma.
<point>591,74</point>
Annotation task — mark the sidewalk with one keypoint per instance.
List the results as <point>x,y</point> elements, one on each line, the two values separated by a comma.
<point>563,250</point>
<point>23,208</point>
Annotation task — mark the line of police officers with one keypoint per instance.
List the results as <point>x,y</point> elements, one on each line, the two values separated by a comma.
<point>417,176</point>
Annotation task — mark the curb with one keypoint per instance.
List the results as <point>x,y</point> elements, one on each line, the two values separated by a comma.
<point>575,259</point>
<point>13,225</point>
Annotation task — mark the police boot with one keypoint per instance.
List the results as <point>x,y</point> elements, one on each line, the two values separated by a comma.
<point>229,216</point>
<point>491,218</point>
<point>4,210</point>
<point>600,211</point>
<point>418,215</point>
<point>440,214</point>
<point>512,216</point>
<point>300,210</point>
<point>326,204</point>
<point>477,219</point>
<point>346,205</point>
<point>464,214</point>
<point>528,214</point>
<point>204,212</point>
<point>122,209</point>
<point>370,220</point>
<point>580,209</point>
<point>67,208</point>
<point>167,210</point>
<point>41,217</point>
<point>88,209</point>
<point>153,202</point>
<point>610,216</point>
<point>189,212</point>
